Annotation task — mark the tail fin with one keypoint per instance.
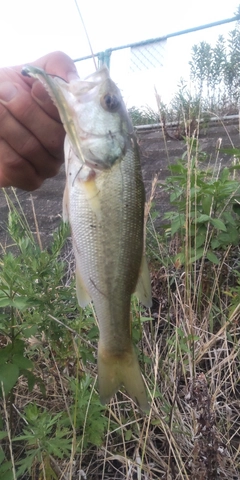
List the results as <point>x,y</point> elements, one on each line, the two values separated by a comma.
<point>117,370</point>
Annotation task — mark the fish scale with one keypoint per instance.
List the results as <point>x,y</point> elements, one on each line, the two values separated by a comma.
<point>110,253</point>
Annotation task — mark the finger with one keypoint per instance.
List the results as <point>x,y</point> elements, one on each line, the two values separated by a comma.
<point>27,146</point>
<point>15,171</point>
<point>56,63</point>
<point>21,119</point>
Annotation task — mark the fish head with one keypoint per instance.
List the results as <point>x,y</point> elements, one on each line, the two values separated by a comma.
<point>93,114</point>
<point>101,119</point>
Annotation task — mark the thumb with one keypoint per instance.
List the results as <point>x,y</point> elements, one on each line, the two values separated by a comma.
<point>56,63</point>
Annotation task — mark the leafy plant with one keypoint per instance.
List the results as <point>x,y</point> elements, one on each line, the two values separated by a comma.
<point>32,296</point>
<point>26,283</point>
<point>43,436</point>
<point>206,212</point>
<point>88,413</point>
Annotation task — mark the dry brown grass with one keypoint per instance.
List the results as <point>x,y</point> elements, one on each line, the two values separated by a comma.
<point>193,429</point>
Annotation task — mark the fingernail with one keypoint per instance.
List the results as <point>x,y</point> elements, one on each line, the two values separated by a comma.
<point>73,75</point>
<point>7,91</point>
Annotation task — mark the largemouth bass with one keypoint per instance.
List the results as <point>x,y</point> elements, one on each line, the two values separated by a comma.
<point>104,204</point>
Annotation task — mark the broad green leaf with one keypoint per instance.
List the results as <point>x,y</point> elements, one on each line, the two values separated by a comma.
<point>20,302</point>
<point>212,257</point>
<point>5,354</point>
<point>230,237</point>
<point>3,435</point>
<point>4,301</point>
<point>32,412</point>
<point>229,218</point>
<point>215,243</point>
<point>231,151</point>
<point>177,168</point>
<point>224,174</point>
<point>2,456</point>
<point>200,240</point>
<point>206,204</point>
<point>196,255</point>
<point>31,378</point>
<point>177,224</point>
<point>194,191</point>
<point>224,239</point>
<point>7,475</point>
<point>175,195</point>
<point>234,234</point>
<point>29,330</point>
<point>22,362</point>
<point>217,223</point>
<point>203,218</point>
<point>9,374</point>
<point>18,347</point>
<point>6,467</point>
<point>229,188</point>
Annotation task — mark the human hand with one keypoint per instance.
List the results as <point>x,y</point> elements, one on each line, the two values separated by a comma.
<point>31,132</point>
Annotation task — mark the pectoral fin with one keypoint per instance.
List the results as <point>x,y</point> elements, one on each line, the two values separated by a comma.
<point>65,205</point>
<point>143,288</point>
<point>82,294</point>
<point>92,194</point>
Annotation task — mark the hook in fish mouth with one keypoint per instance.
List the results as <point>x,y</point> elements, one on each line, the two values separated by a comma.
<point>26,72</point>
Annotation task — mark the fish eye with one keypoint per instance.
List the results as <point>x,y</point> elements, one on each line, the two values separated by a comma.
<point>110,102</point>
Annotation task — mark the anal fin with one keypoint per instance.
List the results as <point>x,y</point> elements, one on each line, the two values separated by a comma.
<point>143,288</point>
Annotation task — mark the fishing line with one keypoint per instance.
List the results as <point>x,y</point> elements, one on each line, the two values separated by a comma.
<point>76,175</point>
<point>86,33</point>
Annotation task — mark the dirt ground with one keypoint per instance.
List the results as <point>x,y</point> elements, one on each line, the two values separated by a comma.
<point>156,154</point>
